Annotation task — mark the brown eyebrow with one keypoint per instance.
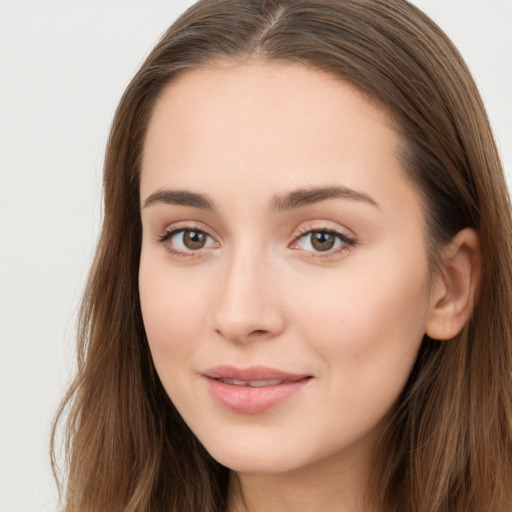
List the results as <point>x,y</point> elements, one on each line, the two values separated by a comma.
<point>180,197</point>
<point>291,200</point>
<point>306,196</point>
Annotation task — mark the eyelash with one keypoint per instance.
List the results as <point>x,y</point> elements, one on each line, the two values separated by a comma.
<point>348,242</point>
<point>167,235</point>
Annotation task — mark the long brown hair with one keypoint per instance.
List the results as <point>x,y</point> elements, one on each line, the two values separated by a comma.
<point>448,447</point>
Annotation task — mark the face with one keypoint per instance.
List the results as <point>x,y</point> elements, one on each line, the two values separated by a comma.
<point>284,280</point>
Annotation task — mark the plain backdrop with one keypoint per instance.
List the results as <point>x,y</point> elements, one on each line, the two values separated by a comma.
<point>63,68</point>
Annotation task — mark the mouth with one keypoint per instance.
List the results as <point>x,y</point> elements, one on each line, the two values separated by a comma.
<point>252,390</point>
<point>252,383</point>
<point>251,374</point>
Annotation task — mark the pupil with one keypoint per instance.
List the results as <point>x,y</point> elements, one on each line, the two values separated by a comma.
<point>323,241</point>
<point>194,239</point>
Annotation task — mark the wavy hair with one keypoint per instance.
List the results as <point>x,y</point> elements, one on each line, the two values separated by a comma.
<point>448,447</point>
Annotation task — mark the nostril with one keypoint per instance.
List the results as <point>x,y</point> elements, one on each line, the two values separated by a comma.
<point>258,332</point>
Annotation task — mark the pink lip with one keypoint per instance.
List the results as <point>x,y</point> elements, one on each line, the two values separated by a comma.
<point>252,400</point>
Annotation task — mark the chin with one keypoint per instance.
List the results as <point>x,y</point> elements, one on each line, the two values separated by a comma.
<point>260,463</point>
<point>250,456</point>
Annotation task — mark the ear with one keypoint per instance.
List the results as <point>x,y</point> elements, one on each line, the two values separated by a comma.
<point>456,288</point>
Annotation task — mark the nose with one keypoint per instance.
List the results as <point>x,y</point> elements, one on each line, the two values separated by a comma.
<point>247,305</point>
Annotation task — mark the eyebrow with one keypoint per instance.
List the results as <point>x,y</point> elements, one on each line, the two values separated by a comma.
<point>181,198</point>
<point>307,196</point>
<point>289,201</point>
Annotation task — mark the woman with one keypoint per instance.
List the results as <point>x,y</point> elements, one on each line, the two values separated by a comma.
<point>301,295</point>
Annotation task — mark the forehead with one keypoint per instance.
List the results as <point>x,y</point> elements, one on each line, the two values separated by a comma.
<point>269,127</point>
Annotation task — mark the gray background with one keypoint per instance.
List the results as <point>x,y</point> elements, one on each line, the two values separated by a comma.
<point>63,67</point>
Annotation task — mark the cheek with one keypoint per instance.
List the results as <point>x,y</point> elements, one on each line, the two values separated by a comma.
<point>366,318</point>
<point>173,309</point>
<point>366,329</point>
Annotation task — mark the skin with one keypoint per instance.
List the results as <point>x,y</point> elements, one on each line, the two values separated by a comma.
<point>259,292</point>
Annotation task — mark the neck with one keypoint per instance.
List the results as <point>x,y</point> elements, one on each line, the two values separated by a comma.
<point>327,486</point>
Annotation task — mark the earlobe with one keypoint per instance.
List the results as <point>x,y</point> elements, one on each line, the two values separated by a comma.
<point>455,293</point>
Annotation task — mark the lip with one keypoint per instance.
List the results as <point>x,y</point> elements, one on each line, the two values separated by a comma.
<point>252,400</point>
<point>251,373</point>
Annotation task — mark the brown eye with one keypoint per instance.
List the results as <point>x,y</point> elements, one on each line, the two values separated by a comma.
<point>194,240</point>
<point>322,241</point>
<point>186,240</point>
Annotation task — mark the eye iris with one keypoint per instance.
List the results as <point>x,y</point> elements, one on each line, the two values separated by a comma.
<point>194,239</point>
<point>322,241</point>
